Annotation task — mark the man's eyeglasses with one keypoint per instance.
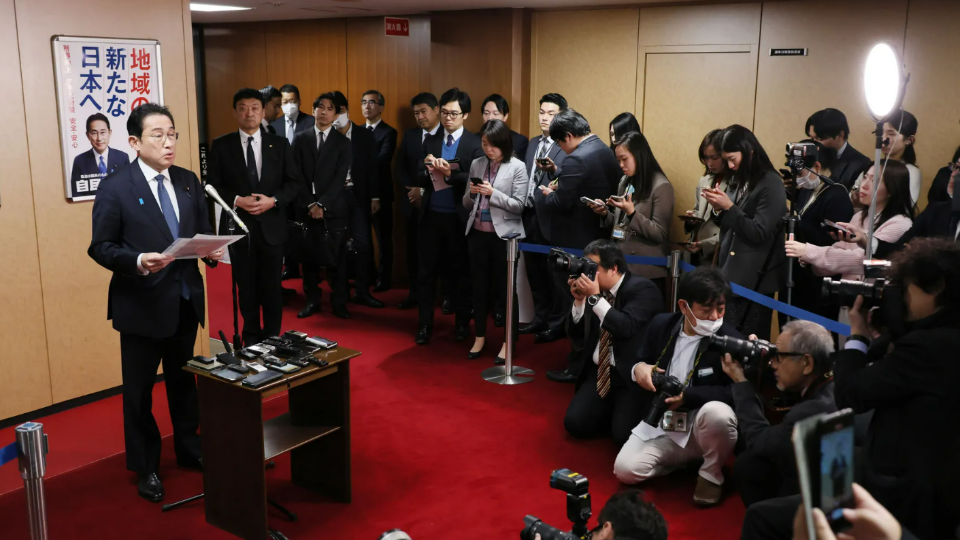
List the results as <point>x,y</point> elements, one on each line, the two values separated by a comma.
<point>778,358</point>
<point>161,138</point>
<point>366,102</point>
<point>449,114</point>
<point>102,133</point>
<point>953,166</point>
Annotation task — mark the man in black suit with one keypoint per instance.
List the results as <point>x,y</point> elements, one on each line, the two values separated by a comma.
<point>155,301</point>
<point>363,188</point>
<point>608,324</point>
<point>938,220</point>
<point>426,112</point>
<point>271,108</point>
<point>255,172</point>
<point>323,157</point>
<point>495,107</point>
<point>100,160</point>
<point>292,122</point>
<point>701,422</point>
<point>385,136</point>
<point>443,247</point>
<point>829,127</point>
<point>550,310</point>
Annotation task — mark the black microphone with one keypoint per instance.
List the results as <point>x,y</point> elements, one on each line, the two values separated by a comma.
<point>226,344</point>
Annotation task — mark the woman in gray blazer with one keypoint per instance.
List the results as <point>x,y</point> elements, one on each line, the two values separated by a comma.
<point>751,228</point>
<point>498,188</point>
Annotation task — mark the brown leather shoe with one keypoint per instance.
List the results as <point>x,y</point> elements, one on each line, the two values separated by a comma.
<point>707,493</point>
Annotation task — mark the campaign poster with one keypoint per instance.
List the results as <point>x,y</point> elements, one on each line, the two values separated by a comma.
<point>99,81</point>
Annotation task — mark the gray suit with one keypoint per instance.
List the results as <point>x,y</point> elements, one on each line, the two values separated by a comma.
<point>509,193</point>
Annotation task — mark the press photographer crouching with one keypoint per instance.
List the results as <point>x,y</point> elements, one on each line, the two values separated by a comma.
<point>909,379</point>
<point>802,365</point>
<point>690,416</point>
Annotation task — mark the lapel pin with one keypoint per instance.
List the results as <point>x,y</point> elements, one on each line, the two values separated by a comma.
<point>141,202</point>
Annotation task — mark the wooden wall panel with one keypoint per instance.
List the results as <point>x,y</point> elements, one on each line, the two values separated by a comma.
<point>234,57</point>
<point>84,352</point>
<point>25,385</point>
<point>725,24</point>
<point>590,57</point>
<point>930,56</point>
<point>311,54</point>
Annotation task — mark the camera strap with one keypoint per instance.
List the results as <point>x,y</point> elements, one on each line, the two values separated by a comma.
<point>704,343</point>
<point>823,187</point>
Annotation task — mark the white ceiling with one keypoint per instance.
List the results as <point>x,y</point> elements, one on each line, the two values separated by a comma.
<point>317,9</point>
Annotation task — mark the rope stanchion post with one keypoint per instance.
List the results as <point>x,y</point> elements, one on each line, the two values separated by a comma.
<point>674,262</point>
<point>32,454</point>
<point>509,374</point>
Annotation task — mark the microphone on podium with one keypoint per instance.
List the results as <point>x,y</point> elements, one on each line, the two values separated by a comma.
<point>212,193</point>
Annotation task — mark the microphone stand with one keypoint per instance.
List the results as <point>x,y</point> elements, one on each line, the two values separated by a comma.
<point>231,226</point>
<point>791,219</point>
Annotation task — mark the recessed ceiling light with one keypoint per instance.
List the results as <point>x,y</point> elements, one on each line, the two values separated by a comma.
<point>194,6</point>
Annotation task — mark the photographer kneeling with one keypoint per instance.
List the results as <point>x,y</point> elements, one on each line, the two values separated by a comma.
<point>678,359</point>
<point>802,365</point>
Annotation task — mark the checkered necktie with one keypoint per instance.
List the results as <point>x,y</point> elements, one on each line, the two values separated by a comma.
<point>603,370</point>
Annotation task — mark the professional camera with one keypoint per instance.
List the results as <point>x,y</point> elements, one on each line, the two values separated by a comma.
<point>576,486</point>
<point>801,156</point>
<point>750,353</point>
<point>844,292</point>
<point>561,261</point>
<point>667,386</point>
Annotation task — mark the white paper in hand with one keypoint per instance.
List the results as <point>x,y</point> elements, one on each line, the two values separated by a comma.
<point>199,246</point>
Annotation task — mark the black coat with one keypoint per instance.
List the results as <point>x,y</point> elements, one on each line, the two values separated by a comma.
<point>127,222</point>
<point>279,177</point>
<point>637,301</point>
<point>709,382</point>
<point>938,220</point>
<point>405,170</point>
<point>938,188</point>
<point>386,138</point>
<point>520,143</point>
<point>849,166</point>
<point>537,216</point>
<point>468,150</point>
<point>364,168</point>
<point>909,459</point>
<point>86,164</point>
<point>591,170</point>
<point>324,174</point>
<point>303,123</point>
<point>832,203</point>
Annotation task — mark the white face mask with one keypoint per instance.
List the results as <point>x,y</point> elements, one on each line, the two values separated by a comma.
<point>289,110</point>
<point>342,121</point>
<point>808,182</point>
<point>705,328</point>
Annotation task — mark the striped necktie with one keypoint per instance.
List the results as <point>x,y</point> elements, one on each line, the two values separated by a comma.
<point>603,369</point>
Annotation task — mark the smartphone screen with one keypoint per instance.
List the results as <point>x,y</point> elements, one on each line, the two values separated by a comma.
<point>836,470</point>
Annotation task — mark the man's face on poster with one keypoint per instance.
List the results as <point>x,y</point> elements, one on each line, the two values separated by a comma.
<point>99,136</point>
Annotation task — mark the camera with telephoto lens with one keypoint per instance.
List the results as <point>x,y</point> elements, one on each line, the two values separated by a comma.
<point>749,353</point>
<point>667,386</point>
<point>801,155</point>
<point>576,486</point>
<point>844,292</point>
<point>561,261</point>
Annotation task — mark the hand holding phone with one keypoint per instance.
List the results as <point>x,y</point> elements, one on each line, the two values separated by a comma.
<point>591,202</point>
<point>476,181</point>
<point>832,225</point>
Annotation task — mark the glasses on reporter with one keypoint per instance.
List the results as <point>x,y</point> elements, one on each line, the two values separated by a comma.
<point>954,166</point>
<point>778,357</point>
<point>449,114</point>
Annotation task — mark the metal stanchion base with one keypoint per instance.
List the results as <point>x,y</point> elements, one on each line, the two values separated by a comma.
<point>498,375</point>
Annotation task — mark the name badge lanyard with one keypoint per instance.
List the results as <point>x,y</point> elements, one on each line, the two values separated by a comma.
<point>823,187</point>
<point>695,362</point>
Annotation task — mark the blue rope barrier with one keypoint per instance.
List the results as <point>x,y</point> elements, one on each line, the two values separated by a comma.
<point>753,296</point>
<point>8,453</point>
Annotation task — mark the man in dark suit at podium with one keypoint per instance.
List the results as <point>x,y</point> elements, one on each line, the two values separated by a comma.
<point>254,171</point>
<point>100,160</point>
<point>155,302</point>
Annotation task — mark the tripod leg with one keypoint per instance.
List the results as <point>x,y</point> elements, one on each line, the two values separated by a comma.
<point>290,515</point>
<point>178,504</point>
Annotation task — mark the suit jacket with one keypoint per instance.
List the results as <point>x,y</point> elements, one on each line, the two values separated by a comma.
<point>749,230</point>
<point>709,382</point>
<point>937,220</point>
<point>303,123</point>
<point>589,171</point>
<point>268,128</point>
<point>468,150</point>
<point>708,235</point>
<point>520,143</point>
<point>324,174</point>
<point>537,215</point>
<point>849,166</point>
<point>279,177</point>
<point>124,228</point>
<point>86,163</point>
<point>648,232</point>
<point>506,203</point>
<point>912,472</point>
<point>637,302</point>
<point>407,167</point>
<point>938,188</point>
<point>832,203</point>
<point>364,168</point>
<point>386,138</point>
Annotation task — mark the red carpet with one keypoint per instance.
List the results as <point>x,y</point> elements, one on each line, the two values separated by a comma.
<point>438,452</point>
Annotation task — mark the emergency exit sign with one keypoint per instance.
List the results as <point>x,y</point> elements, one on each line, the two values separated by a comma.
<point>396,27</point>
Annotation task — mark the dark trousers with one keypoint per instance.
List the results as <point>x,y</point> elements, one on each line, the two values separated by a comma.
<point>258,267</point>
<point>548,305</point>
<point>759,478</point>
<point>488,266</point>
<point>139,359</point>
<point>336,275</point>
<point>771,519</point>
<point>443,250</point>
<point>413,253</point>
<point>362,241</point>
<point>383,226</point>
<point>590,416</point>
<point>291,259</point>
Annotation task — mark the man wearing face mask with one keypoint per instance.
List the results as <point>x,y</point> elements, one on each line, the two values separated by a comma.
<point>288,125</point>
<point>815,201</point>
<point>703,424</point>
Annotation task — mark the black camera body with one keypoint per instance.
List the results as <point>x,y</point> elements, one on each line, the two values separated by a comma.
<point>750,353</point>
<point>561,261</point>
<point>577,488</point>
<point>801,156</point>
<point>886,297</point>
<point>667,386</point>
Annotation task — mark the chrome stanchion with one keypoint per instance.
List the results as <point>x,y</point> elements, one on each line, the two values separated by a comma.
<point>674,260</point>
<point>32,454</point>
<point>508,373</point>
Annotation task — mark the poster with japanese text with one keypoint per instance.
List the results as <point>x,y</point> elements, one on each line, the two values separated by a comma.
<point>99,81</point>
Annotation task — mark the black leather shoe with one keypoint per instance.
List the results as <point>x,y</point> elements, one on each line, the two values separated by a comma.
<point>341,312</point>
<point>381,286</point>
<point>446,307</point>
<point>474,355</point>
<point>499,320</point>
<point>290,273</point>
<point>409,303</point>
<point>308,311</point>
<point>461,332</point>
<point>565,376</point>
<point>423,335</point>
<point>367,300</point>
<point>533,328</point>
<point>548,336</point>
<point>196,464</point>
<point>288,292</point>
<point>149,487</point>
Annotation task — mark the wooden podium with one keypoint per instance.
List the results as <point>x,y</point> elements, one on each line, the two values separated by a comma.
<point>237,442</point>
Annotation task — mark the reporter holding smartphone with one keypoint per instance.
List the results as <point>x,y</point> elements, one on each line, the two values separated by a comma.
<point>640,213</point>
<point>706,232</point>
<point>496,207</point>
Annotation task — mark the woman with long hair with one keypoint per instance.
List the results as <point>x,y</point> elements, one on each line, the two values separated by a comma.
<point>899,144</point>
<point>751,227</point>
<point>703,223</point>
<point>622,124</point>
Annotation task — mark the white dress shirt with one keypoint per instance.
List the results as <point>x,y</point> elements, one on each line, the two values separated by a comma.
<point>600,310</point>
<point>375,124</point>
<point>154,185</point>
<point>349,134</point>
<point>291,124</point>
<point>246,140</point>
<point>326,133</point>
<point>546,143</point>
<point>684,355</point>
<point>842,148</point>
<point>106,157</point>
<point>456,135</point>
<point>433,131</point>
